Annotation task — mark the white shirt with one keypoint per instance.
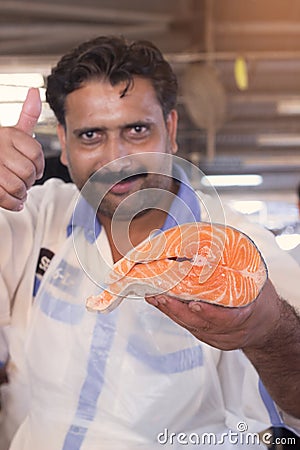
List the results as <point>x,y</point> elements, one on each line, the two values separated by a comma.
<point>82,380</point>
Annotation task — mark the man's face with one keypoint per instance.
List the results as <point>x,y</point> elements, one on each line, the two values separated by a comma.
<point>110,137</point>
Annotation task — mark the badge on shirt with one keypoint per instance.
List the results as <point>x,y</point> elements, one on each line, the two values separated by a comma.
<point>43,263</point>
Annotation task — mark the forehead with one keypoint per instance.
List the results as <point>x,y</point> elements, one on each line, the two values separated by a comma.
<point>99,98</point>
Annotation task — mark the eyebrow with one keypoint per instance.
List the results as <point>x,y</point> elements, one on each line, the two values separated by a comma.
<point>79,131</point>
<point>138,123</point>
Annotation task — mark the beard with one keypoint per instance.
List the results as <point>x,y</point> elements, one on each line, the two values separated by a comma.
<point>151,191</point>
<point>131,185</point>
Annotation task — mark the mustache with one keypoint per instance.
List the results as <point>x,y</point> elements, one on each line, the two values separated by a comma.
<point>117,177</point>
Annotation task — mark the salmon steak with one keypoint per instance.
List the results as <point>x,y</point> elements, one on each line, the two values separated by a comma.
<point>196,261</point>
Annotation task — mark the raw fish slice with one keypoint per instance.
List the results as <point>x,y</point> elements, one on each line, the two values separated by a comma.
<point>195,261</point>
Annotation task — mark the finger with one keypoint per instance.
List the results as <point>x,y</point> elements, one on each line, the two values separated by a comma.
<point>9,202</point>
<point>177,311</point>
<point>13,184</point>
<point>30,148</point>
<point>31,111</point>
<point>204,330</point>
<point>22,167</point>
<point>12,192</point>
<point>199,315</point>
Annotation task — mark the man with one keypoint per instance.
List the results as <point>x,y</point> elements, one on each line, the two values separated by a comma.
<point>134,378</point>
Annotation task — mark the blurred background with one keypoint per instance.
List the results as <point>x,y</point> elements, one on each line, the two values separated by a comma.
<point>238,64</point>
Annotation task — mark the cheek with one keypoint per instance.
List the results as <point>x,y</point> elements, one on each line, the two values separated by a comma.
<point>78,171</point>
<point>81,162</point>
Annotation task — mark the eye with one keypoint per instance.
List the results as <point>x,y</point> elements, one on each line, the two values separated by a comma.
<point>88,135</point>
<point>138,130</point>
<point>91,136</point>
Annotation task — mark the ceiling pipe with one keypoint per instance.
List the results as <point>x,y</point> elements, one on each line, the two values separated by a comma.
<point>190,57</point>
<point>85,12</point>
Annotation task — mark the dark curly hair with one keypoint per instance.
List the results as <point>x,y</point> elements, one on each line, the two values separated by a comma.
<point>114,59</point>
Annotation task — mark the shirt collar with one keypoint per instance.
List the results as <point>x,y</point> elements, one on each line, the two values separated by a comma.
<point>184,208</point>
<point>84,217</point>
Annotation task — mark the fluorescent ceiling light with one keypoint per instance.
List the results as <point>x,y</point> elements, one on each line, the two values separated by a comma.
<point>11,94</point>
<point>232,180</point>
<point>22,79</point>
<point>288,241</point>
<point>248,206</point>
<point>14,88</point>
<point>279,140</point>
<point>288,107</point>
<point>10,112</point>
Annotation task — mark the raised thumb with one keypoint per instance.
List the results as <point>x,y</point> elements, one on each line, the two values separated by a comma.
<point>31,111</point>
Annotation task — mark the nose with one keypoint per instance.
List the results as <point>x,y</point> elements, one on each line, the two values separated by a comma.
<point>117,154</point>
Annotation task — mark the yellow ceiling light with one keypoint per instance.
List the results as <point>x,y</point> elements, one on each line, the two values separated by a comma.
<point>241,73</point>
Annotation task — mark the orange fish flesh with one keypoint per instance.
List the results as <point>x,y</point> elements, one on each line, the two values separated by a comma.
<point>195,261</point>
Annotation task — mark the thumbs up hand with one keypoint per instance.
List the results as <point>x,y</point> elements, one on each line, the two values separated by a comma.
<point>21,156</point>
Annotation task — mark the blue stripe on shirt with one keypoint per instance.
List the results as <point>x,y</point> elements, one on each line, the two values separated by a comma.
<point>173,362</point>
<point>37,282</point>
<point>61,310</point>
<point>275,418</point>
<point>91,389</point>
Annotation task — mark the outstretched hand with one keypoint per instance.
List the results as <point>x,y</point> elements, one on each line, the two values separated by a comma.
<point>21,156</point>
<point>221,327</point>
<point>267,331</point>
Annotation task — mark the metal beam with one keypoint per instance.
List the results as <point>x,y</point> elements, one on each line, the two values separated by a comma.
<point>189,57</point>
<point>85,12</point>
<point>262,27</point>
<point>64,31</point>
<point>36,37</point>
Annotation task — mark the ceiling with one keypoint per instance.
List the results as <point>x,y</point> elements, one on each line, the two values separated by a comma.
<point>241,113</point>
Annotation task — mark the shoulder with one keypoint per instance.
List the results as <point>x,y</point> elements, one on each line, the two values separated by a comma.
<point>52,187</point>
<point>54,192</point>
<point>53,201</point>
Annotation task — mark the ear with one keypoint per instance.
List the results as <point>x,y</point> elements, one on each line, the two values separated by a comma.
<point>61,134</point>
<point>171,123</point>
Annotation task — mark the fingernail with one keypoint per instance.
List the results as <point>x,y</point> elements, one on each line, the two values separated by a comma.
<point>152,301</point>
<point>195,307</point>
<point>162,301</point>
<point>20,207</point>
